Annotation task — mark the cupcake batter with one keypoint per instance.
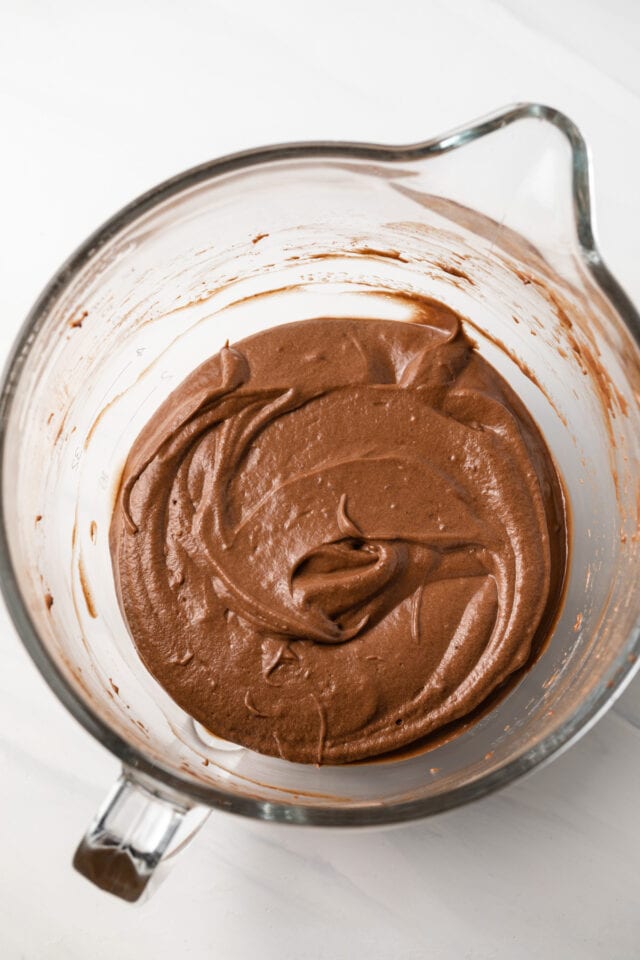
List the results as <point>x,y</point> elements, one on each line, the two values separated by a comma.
<point>338,537</point>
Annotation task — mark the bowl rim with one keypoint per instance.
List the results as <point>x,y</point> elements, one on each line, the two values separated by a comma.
<point>357,813</point>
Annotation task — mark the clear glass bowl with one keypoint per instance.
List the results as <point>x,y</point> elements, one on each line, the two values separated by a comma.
<point>493,219</point>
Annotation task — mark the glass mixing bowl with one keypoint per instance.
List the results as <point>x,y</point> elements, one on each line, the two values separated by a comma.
<point>493,219</point>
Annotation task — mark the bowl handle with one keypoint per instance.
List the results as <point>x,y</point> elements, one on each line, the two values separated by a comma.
<point>137,827</point>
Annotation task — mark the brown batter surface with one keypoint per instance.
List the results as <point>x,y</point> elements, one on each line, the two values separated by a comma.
<point>339,536</point>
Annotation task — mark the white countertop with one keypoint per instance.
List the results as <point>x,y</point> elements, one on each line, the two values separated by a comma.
<point>99,102</point>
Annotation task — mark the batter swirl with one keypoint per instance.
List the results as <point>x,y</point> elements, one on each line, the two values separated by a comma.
<point>339,536</point>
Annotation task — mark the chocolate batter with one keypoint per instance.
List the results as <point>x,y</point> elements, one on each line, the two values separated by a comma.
<point>337,537</point>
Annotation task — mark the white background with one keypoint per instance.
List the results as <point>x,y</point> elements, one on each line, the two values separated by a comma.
<point>97,103</point>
